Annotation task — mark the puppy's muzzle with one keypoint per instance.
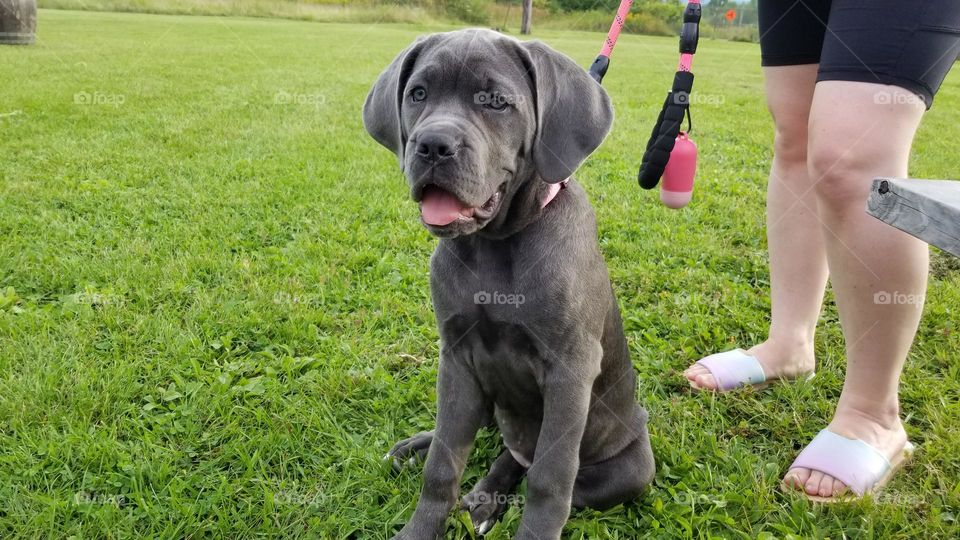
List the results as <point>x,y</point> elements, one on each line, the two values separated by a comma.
<point>434,147</point>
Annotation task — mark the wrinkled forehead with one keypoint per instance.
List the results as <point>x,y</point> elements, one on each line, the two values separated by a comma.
<point>472,62</point>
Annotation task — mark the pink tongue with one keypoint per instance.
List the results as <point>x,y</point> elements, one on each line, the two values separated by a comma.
<point>439,207</point>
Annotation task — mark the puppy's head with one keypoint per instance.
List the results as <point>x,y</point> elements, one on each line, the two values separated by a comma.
<point>473,115</point>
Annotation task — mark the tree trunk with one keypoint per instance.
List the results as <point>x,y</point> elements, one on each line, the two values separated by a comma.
<point>527,16</point>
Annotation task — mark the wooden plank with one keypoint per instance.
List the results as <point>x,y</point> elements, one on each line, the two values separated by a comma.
<point>18,22</point>
<point>927,209</point>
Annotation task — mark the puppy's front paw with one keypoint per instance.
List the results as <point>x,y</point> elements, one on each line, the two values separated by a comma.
<point>485,508</point>
<point>409,451</point>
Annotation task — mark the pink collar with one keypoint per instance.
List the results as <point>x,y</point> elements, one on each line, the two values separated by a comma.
<point>552,192</point>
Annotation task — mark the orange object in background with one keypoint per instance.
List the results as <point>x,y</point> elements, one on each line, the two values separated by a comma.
<point>731,15</point>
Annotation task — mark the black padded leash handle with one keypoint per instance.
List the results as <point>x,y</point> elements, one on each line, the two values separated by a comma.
<point>665,131</point>
<point>675,107</point>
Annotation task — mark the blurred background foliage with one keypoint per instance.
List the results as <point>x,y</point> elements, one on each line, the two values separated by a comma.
<point>652,17</point>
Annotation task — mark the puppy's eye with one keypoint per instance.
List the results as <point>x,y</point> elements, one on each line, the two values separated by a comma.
<point>418,94</point>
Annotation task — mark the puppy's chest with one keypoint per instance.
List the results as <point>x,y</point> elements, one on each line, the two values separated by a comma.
<point>507,358</point>
<point>498,280</point>
<point>496,312</point>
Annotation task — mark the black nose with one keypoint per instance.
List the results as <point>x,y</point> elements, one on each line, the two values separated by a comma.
<point>436,146</point>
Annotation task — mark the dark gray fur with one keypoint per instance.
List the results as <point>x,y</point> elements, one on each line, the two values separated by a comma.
<point>554,371</point>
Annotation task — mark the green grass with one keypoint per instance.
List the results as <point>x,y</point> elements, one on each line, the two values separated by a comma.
<point>214,314</point>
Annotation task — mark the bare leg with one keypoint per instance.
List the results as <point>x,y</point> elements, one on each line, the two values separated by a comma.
<point>852,139</point>
<point>798,261</point>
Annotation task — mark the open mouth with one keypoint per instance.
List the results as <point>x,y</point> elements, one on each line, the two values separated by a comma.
<point>440,208</point>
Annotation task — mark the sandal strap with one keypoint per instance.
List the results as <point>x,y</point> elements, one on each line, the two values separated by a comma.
<point>734,368</point>
<point>852,461</point>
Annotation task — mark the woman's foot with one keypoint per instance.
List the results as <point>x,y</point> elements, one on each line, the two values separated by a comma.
<point>884,434</point>
<point>778,360</point>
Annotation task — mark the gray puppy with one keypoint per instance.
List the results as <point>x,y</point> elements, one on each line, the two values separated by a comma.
<point>485,127</point>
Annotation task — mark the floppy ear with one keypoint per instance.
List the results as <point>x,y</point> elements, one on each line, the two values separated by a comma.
<point>573,112</point>
<point>381,110</point>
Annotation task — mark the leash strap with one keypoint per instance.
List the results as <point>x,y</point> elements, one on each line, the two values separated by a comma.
<point>676,106</point>
<point>599,67</point>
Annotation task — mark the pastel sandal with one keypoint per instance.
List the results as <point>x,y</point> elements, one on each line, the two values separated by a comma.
<point>736,368</point>
<point>860,466</point>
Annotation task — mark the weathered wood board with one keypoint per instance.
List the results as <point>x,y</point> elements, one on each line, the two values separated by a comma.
<point>18,22</point>
<point>927,209</point>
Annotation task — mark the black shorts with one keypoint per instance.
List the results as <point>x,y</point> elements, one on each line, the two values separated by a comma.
<point>907,43</point>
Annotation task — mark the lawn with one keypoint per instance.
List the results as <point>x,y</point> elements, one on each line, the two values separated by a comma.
<point>214,308</point>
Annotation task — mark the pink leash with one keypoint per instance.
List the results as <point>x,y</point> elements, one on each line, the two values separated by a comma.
<point>686,58</point>
<point>616,27</point>
<point>599,67</point>
<point>670,153</point>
